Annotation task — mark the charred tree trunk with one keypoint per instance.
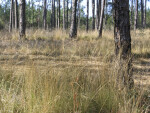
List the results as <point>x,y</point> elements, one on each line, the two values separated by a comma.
<point>136,16</point>
<point>123,44</point>
<point>64,15</point>
<point>101,20</point>
<point>22,19</point>
<point>145,14</point>
<point>11,16</point>
<point>142,11</point>
<point>87,17</point>
<point>16,14</point>
<point>73,29</point>
<point>93,14</point>
<point>44,15</point>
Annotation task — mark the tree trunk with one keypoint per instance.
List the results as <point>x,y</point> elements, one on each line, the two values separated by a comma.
<point>22,19</point>
<point>11,16</point>
<point>71,12</point>
<point>54,15</point>
<point>145,13</point>
<point>73,29</point>
<point>63,14</point>
<point>101,20</point>
<point>123,44</point>
<point>142,13</point>
<point>105,12</point>
<point>136,16</point>
<point>67,16</point>
<point>93,14</point>
<point>44,15</point>
<point>100,8</point>
<point>79,14</point>
<point>96,21</point>
<point>16,14</point>
<point>87,17</point>
<point>58,14</point>
<point>131,18</point>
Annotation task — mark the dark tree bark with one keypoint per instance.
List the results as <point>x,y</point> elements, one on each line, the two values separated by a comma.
<point>101,20</point>
<point>79,14</point>
<point>64,15</point>
<point>67,16</point>
<point>58,14</point>
<point>73,29</point>
<point>97,15</point>
<point>54,19</point>
<point>45,15</point>
<point>100,8</point>
<point>11,16</point>
<point>71,12</point>
<point>145,13</point>
<point>16,14</point>
<point>136,15</point>
<point>123,43</point>
<point>105,22</point>
<point>87,17</point>
<point>93,14</point>
<point>22,19</point>
<point>142,11</point>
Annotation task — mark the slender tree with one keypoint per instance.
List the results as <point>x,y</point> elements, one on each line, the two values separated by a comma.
<point>11,16</point>
<point>64,15</point>
<point>101,19</point>
<point>145,13</point>
<point>58,14</point>
<point>136,15</point>
<point>44,15</point>
<point>87,17</point>
<point>97,15</point>
<point>67,15</point>
<point>123,43</point>
<point>73,29</point>
<point>142,11</point>
<point>16,14</point>
<point>54,16</point>
<point>93,14</point>
<point>131,18</point>
<point>22,19</point>
<point>79,14</point>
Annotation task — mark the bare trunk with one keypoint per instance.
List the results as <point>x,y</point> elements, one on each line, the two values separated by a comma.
<point>136,16</point>
<point>123,43</point>
<point>44,15</point>
<point>67,16</point>
<point>11,16</point>
<point>64,15</point>
<point>73,29</point>
<point>96,20</point>
<point>145,14</point>
<point>101,20</point>
<point>54,15</point>
<point>93,14</point>
<point>131,18</point>
<point>22,19</point>
<point>87,17</point>
<point>16,14</point>
<point>79,14</point>
<point>58,14</point>
<point>142,13</point>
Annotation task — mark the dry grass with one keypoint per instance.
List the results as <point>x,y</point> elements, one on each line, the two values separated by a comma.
<point>49,73</point>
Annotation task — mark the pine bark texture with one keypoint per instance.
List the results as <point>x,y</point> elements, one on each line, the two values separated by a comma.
<point>22,19</point>
<point>123,43</point>
<point>73,29</point>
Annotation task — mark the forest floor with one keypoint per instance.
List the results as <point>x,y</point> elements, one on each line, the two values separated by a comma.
<point>44,50</point>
